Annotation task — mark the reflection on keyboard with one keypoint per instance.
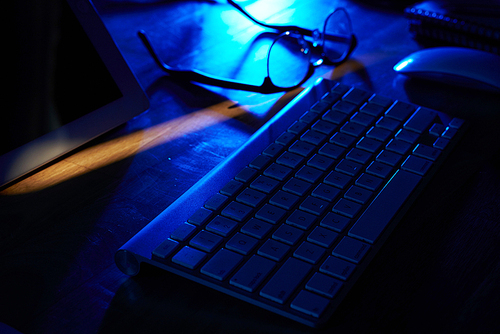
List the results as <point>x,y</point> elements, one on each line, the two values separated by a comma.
<point>291,220</point>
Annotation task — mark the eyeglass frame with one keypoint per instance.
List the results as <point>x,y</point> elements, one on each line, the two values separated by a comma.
<point>267,87</point>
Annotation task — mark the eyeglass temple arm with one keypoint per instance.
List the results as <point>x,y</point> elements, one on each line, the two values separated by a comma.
<point>267,86</point>
<point>280,28</point>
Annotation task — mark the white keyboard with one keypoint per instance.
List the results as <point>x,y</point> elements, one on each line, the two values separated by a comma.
<point>291,220</point>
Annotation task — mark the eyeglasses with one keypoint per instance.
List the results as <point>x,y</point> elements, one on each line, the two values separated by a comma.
<point>291,51</point>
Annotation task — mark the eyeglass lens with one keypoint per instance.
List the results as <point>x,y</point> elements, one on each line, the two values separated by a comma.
<point>288,60</point>
<point>337,35</point>
<point>289,56</point>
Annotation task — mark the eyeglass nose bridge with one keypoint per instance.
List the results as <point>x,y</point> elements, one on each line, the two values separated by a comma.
<point>317,37</point>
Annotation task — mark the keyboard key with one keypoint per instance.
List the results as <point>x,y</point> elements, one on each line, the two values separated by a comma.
<point>427,152</point>
<point>321,162</point>
<point>286,138</point>
<point>310,303</point>
<point>420,120</point>
<point>166,248</point>
<point>322,236</point>
<point>358,194</point>
<point>260,162</point>
<point>205,241</point>
<point>388,123</point>
<point>456,123</point>
<point>284,200</point>
<point>242,243</point>
<point>369,182</point>
<point>287,234</point>
<point>344,107</point>
<point>362,119</point>
<point>335,222</point>
<point>347,208</point>
<point>357,96</point>
<point>278,172</point>
<point>289,159</point>
<point>237,211</point>
<point>353,129</point>
<point>359,156</point>
<point>400,110</point>
<point>372,109</point>
<point>331,150</point>
<point>382,101</point>
<point>320,107</point>
<point>231,188</point>
<point>398,146</point>
<point>309,252</point>
<point>441,143</point>
<point>183,232</point>
<point>200,217</point>
<point>301,219</point>
<point>385,206</point>
<point>378,134</point>
<point>297,128</point>
<point>449,133</point>
<point>246,174</point>
<point>416,165</point>
<point>309,117</point>
<point>349,167</point>
<point>274,250</point>
<point>369,144</point>
<point>273,150</point>
<point>437,129</point>
<point>216,202</point>
<point>256,228</point>
<point>251,197</point>
<point>324,285</point>
<point>337,267</point>
<point>285,281</point>
<point>313,137</point>
<point>221,226</point>
<point>264,184</point>
<point>325,127</point>
<point>301,148</point>
<point>297,187</point>
<point>338,180</point>
<point>313,205</point>
<point>331,97</point>
<point>342,139</point>
<point>189,257</point>
<point>351,249</point>
<point>389,158</point>
<point>270,214</point>
<point>309,174</point>
<point>335,117</point>
<point>325,192</point>
<point>379,169</point>
<point>407,136</point>
<point>252,273</point>
<point>221,264</point>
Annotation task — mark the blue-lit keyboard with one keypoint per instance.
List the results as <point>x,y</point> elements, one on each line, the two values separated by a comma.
<point>290,221</point>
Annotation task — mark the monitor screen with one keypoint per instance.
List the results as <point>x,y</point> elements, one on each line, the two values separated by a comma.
<point>58,78</point>
<point>67,84</point>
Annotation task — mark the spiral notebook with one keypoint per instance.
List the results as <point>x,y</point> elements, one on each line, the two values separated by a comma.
<point>461,23</point>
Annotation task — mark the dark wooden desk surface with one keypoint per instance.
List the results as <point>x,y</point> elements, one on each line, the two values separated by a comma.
<point>440,272</point>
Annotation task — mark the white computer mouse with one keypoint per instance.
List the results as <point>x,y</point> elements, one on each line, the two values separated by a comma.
<point>454,65</point>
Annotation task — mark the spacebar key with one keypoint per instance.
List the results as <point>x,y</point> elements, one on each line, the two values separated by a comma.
<point>385,206</point>
<point>286,280</point>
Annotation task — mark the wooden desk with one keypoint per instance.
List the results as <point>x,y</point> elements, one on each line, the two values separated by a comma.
<point>440,272</point>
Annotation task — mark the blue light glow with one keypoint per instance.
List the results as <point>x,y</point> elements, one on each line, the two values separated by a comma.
<point>402,65</point>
